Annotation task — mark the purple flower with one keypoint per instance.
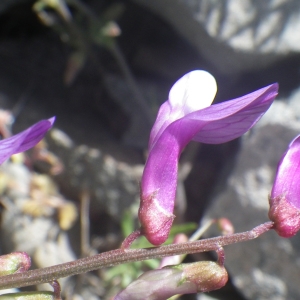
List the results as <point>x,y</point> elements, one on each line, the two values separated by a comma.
<point>285,196</point>
<point>24,140</point>
<point>186,116</point>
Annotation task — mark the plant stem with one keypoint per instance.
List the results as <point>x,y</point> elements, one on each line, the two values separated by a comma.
<point>119,256</point>
<point>85,224</point>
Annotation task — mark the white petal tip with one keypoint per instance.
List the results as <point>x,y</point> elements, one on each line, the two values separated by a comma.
<point>194,91</point>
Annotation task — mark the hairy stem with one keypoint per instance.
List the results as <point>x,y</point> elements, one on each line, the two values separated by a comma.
<point>119,256</point>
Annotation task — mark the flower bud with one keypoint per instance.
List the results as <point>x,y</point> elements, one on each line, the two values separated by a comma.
<point>225,226</point>
<point>156,221</point>
<point>163,283</point>
<point>285,196</point>
<point>14,262</point>
<point>206,275</point>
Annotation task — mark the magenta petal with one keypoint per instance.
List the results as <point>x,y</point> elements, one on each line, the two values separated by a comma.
<point>24,140</point>
<point>162,121</point>
<point>285,196</point>
<point>287,181</point>
<point>229,120</point>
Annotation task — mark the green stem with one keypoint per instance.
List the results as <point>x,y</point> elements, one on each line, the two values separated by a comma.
<point>115,257</point>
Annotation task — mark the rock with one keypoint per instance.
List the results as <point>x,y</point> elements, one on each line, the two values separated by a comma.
<point>39,236</point>
<point>267,267</point>
<point>111,184</point>
<point>235,36</point>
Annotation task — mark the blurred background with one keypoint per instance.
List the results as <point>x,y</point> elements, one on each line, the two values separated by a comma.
<point>103,68</point>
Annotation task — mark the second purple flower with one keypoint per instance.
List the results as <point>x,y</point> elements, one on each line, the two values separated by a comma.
<point>285,196</point>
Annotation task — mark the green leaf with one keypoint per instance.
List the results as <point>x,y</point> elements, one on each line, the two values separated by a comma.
<point>127,223</point>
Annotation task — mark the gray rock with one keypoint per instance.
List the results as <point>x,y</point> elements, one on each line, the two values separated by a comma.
<point>112,185</point>
<point>235,35</point>
<point>268,267</point>
<point>39,236</point>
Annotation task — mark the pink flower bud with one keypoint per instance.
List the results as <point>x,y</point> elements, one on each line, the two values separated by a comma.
<point>188,115</point>
<point>206,275</point>
<point>14,262</point>
<point>285,196</point>
<point>225,226</point>
<point>161,284</point>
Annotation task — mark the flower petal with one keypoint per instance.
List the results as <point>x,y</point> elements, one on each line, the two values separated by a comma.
<point>194,91</point>
<point>229,120</point>
<point>288,175</point>
<point>24,140</point>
